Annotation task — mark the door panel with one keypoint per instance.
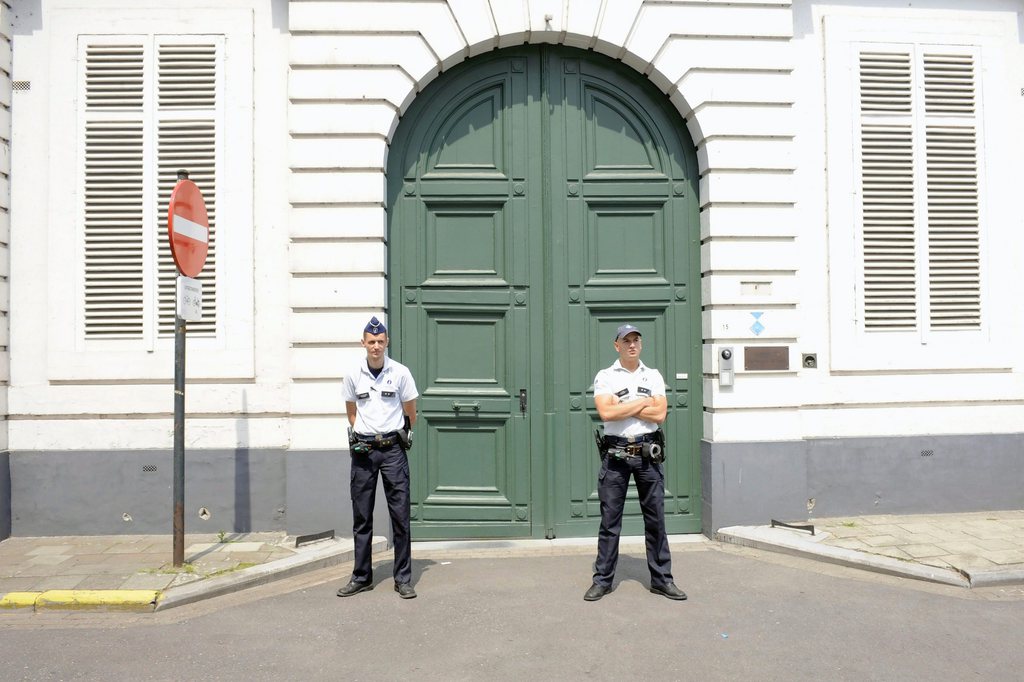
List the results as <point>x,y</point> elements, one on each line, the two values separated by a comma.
<point>626,242</point>
<point>537,200</point>
<point>471,138</point>
<point>463,288</point>
<point>466,241</point>
<point>630,194</point>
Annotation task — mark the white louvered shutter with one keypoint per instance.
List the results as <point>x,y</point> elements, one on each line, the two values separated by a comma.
<point>954,258</point>
<point>920,226</point>
<point>152,105</point>
<point>187,118</point>
<point>887,176</point>
<point>113,191</point>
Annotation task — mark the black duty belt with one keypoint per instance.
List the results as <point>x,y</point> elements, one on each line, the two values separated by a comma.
<point>619,441</point>
<point>626,451</point>
<point>379,441</point>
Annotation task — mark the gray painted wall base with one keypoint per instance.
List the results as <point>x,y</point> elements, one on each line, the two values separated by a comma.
<point>319,498</point>
<point>90,492</point>
<point>5,495</point>
<point>752,483</point>
<point>130,491</point>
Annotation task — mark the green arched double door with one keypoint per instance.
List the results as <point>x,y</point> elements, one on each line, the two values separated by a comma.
<point>538,198</point>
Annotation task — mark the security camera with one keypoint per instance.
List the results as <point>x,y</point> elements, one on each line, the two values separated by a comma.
<point>725,367</point>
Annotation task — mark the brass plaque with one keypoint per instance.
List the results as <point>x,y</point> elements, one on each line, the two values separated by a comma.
<point>765,358</point>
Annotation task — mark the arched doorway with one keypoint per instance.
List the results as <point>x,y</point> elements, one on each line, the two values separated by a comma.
<point>538,198</point>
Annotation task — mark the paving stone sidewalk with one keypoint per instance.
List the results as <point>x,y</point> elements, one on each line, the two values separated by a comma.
<point>962,542</point>
<point>130,562</point>
<point>974,549</point>
<point>136,572</point>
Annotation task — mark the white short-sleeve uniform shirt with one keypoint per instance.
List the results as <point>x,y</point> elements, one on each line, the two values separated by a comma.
<point>616,380</point>
<point>379,399</point>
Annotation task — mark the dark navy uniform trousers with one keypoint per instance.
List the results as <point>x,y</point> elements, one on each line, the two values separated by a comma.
<point>393,466</point>
<point>613,480</point>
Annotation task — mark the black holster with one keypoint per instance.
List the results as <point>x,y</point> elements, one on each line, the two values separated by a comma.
<point>356,446</point>
<point>405,435</point>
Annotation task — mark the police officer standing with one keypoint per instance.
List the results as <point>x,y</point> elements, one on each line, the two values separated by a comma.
<point>630,399</point>
<point>380,399</point>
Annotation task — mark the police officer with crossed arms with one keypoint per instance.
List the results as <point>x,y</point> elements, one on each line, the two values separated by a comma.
<point>380,399</point>
<point>630,399</point>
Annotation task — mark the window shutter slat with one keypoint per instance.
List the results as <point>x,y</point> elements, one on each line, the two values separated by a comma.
<point>187,144</point>
<point>885,82</point>
<point>186,138</point>
<point>887,191</point>
<point>114,77</point>
<point>188,76</point>
<point>954,253</point>
<point>949,84</point>
<point>888,241</point>
<point>954,258</point>
<point>113,232</point>
<point>112,191</point>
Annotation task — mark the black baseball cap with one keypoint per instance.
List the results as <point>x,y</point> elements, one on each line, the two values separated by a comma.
<point>626,329</point>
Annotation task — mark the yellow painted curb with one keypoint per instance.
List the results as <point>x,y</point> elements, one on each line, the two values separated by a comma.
<point>121,600</point>
<point>19,600</point>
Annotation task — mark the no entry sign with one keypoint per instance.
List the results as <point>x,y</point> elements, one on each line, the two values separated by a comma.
<point>188,228</point>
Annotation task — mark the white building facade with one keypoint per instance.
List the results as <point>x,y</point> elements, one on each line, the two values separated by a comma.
<point>845,189</point>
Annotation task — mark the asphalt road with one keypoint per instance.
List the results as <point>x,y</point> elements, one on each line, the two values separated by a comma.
<point>751,616</point>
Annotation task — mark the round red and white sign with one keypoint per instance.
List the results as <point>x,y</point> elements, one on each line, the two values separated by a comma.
<point>188,228</point>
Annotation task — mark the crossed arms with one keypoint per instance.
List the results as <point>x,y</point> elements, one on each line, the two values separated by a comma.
<point>653,409</point>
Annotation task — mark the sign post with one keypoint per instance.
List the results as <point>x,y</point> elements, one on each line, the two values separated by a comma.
<point>188,230</point>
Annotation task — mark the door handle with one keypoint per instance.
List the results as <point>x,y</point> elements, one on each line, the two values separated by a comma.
<point>522,400</point>
<point>456,405</point>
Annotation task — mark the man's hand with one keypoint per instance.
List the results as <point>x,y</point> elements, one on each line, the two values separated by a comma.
<point>656,411</point>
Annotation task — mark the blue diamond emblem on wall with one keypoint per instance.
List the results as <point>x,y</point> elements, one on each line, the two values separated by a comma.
<point>757,327</point>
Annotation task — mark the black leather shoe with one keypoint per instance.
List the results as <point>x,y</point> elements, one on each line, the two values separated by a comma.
<point>669,590</point>
<point>596,592</point>
<point>354,588</point>
<point>405,591</point>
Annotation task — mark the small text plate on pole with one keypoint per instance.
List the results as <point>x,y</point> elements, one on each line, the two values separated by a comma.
<point>188,228</point>
<point>190,299</point>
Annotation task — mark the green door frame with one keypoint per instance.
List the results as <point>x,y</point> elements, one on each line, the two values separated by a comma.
<point>547,388</point>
